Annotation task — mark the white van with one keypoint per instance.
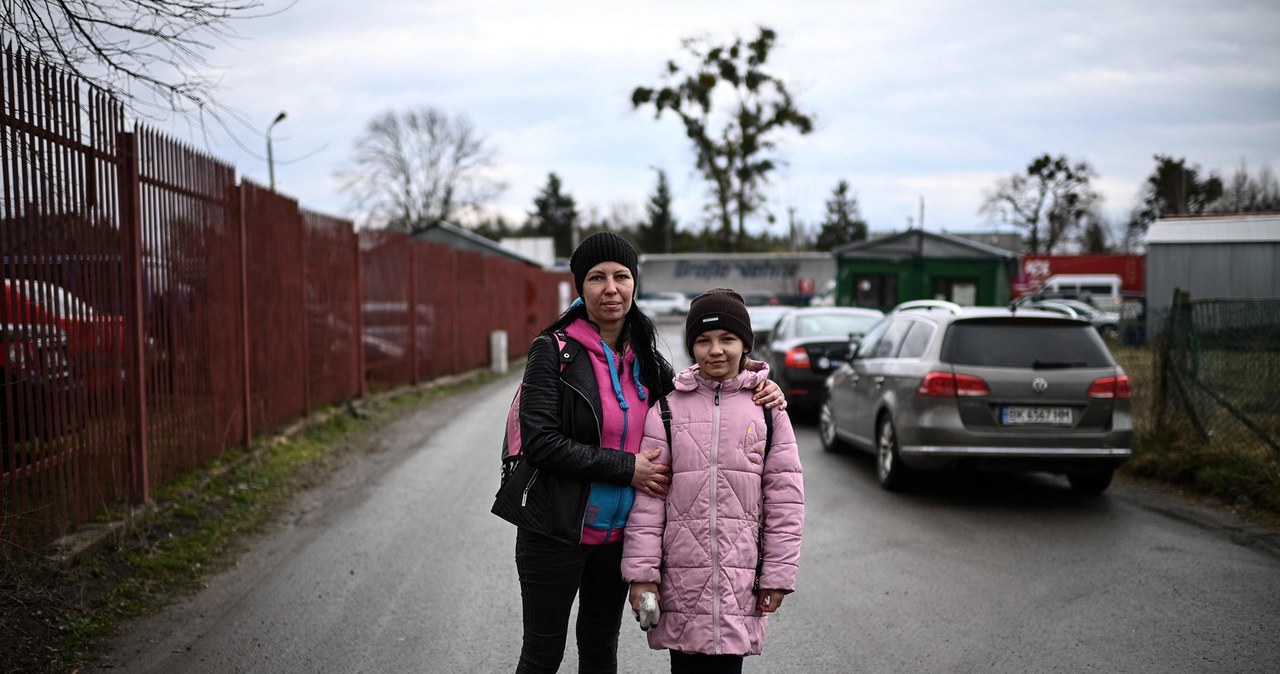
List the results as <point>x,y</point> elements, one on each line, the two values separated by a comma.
<point>1102,290</point>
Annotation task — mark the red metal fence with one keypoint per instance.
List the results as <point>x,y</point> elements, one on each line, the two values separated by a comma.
<point>156,312</point>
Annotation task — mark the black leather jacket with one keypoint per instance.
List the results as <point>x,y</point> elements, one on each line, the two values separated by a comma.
<point>560,429</point>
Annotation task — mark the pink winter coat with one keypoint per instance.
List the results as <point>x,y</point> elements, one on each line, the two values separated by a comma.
<point>700,542</point>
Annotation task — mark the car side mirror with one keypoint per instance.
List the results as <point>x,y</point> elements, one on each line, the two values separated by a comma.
<point>855,342</point>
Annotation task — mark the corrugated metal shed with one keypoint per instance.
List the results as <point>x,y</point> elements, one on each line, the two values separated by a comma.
<point>1212,257</point>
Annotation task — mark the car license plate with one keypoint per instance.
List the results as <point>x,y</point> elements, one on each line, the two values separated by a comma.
<point>1036,416</point>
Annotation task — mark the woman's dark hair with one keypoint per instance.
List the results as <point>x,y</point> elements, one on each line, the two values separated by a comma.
<point>643,334</point>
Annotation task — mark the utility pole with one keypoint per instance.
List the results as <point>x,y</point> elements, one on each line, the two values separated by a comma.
<point>271,162</point>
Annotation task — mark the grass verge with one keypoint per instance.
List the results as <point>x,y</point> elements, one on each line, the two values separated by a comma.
<point>1233,470</point>
<point>55,619</point>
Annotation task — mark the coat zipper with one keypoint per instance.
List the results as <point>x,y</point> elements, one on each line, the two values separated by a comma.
<point>524,498</point>
<point>715,548</point>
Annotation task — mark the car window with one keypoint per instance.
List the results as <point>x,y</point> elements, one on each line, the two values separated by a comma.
<point>781,328</point>
<point>817,325</point>
<point>56,299</point>
<point>1025,343</point>
<point>892,339</point>
<point>917,339</point>
<point>872,340</point>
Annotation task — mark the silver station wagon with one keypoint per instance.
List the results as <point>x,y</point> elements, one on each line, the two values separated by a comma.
<point>936,386</point>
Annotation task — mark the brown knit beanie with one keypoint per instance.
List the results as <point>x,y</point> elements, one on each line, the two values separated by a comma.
<point>603,247</point>
<point>718,309</point>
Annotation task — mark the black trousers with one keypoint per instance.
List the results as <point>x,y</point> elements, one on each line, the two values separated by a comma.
<point>699,663</point>
<point>551,574</point>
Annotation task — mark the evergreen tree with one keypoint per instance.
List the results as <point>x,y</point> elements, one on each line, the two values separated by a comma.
<point>555,215</point>
<point>657,234</point>
<point>843,223</point>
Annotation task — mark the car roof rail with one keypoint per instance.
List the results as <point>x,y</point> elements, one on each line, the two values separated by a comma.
<point>1057,307</point>
<point>1048,306</point>
<point>929,305</point>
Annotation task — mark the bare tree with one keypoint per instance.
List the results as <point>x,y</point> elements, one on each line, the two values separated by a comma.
<point>414,169</point>
<point>1246,193</point>
<point>149,54</point>
<point>1050,200</point>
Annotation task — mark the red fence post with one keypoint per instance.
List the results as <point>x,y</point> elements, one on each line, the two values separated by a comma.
<point>242,235</point>
<point>306,318</point>
<point>359,333</point>
<point>131,257</point>
<point>413,312</point>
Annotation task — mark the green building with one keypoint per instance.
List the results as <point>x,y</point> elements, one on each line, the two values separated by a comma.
<point>916,265</point>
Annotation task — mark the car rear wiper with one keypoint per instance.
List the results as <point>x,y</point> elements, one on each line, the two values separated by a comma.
<point>1054,365</point>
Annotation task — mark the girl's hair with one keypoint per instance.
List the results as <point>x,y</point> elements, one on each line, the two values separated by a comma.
<point>643,334</point>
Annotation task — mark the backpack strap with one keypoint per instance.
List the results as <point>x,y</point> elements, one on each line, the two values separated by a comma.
<point>768,444</point>
<point>666,418</point>
<point>768,432</point>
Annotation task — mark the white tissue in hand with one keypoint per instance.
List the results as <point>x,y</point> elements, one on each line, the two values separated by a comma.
<point>648,611</point>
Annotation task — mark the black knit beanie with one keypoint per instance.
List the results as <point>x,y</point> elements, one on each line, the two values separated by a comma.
<point>603,247</point>
<point>718,309</point>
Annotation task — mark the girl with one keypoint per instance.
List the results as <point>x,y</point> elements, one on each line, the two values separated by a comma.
<point>697,548</point>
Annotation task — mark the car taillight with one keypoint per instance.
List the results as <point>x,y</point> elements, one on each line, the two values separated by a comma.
<point>948,385</point>
<point>797,357</point>
<point>1116,388</point>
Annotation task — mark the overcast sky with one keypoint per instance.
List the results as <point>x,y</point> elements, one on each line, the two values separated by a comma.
<point>916,98</point>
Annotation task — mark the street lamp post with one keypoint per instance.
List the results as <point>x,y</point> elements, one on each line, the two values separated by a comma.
<point>271,164</point>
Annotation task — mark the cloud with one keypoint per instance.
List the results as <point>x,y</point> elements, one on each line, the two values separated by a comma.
<point>915,98</point>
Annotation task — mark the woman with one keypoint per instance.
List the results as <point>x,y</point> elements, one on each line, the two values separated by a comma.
<point>582,413</point>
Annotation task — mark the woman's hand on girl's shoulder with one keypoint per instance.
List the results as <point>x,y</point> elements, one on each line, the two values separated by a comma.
<point>770,395</point>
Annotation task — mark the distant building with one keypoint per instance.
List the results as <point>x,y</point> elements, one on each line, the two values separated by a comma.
<point>792,277</point>
<point>540,248</point>
<point>1212,257</point>
<point>883,272</point>
<point>461,238</point>
<point>1011,241</point>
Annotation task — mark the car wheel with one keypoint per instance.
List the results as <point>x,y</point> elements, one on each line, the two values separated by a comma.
<point>827,429</point>
<point>1109,332</point>
<point>892,473</point>
<point>1090,483</point>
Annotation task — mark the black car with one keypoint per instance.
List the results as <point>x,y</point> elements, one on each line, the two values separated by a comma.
<point>798,351</point>
<point>763,318</point>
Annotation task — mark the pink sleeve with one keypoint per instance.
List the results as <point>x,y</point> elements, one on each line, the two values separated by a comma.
<point>642,539</point>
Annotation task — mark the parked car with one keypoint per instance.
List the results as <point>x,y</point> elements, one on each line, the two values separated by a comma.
<point>1104,291</point>
<point>937,386</point>
<point>1107,323</point>
<point>759,298</point>
<point>798,350</point>
<point>95,340</point>
<point>763,318</point>
<point>663,303</point>
<point>34,384</point>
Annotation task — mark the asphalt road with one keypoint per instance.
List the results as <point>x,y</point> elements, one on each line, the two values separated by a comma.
<point>398,566</point>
